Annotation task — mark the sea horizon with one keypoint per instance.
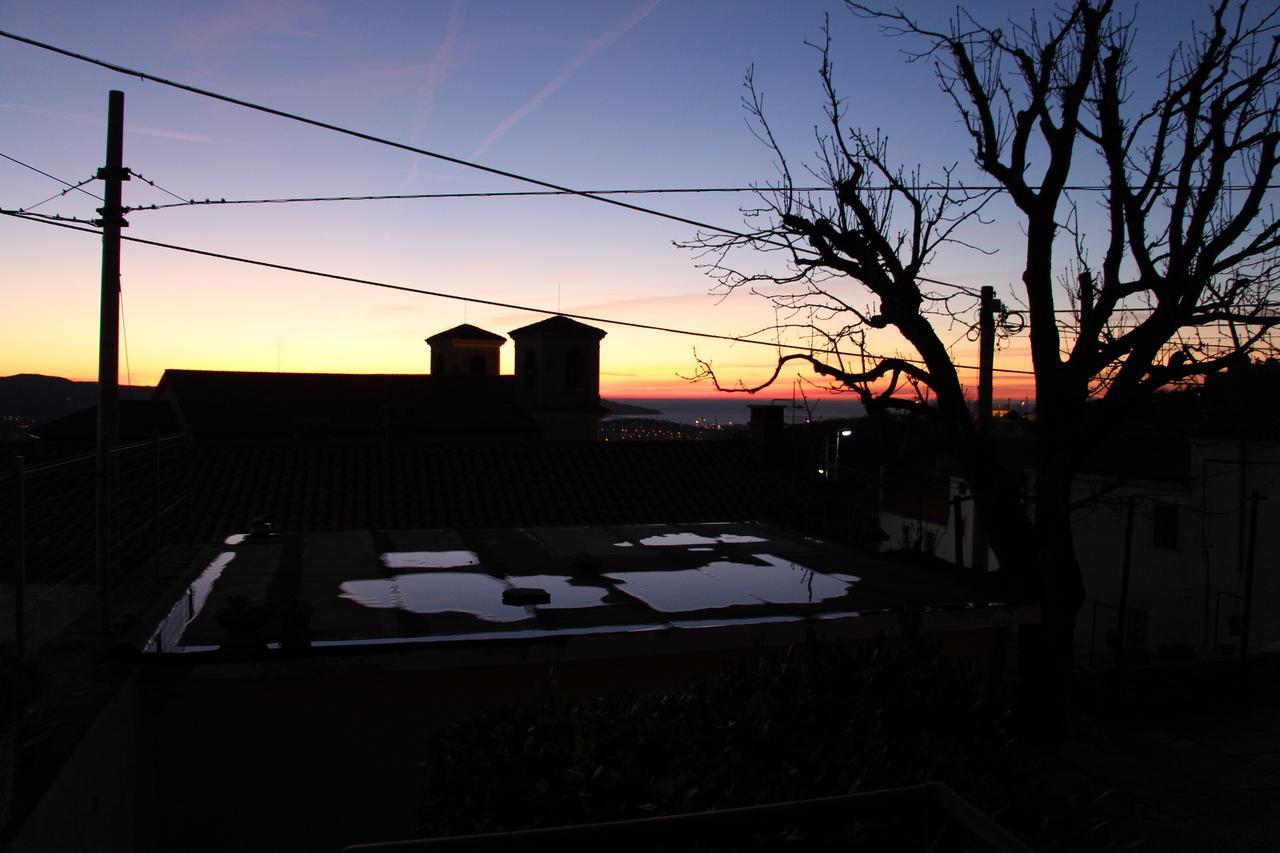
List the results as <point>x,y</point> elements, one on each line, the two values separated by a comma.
<point>727,410</point>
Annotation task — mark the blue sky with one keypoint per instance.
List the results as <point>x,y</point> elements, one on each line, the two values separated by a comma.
<point>594,95</point>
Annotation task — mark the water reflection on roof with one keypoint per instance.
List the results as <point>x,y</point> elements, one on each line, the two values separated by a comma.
<point>424,585</point>
<point>677,539</point>
<point>564,593</point>
<point>726,583</point>
<point>437,592</point>
<point>429,559</point>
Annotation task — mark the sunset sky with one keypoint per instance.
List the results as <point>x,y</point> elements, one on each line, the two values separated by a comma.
<point>593,95</point>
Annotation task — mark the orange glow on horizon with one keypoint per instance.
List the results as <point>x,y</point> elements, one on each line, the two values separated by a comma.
<point>639,383</point>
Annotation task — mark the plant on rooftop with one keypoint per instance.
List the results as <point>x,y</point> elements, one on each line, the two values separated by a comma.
<point>819,721</point>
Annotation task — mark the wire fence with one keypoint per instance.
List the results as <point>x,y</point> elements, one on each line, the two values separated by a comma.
<point>52,583</point>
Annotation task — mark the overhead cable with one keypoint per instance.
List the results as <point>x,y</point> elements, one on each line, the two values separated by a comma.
<point>367,137</point>
<point>488,302</point>
<point>493,194</point>
<point>70,186</point>
<point>147,180</point>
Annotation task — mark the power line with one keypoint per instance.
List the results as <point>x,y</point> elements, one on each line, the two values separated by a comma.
<point>70,186</point>
<point>147,180</point>
<point>194,202</point>
<point>367,137</point>
<point>495,194</point>
<point>142,75</point>
<point>551,192</point>
<point>489,302</point>
<point>124,335</point>
<point>53,217</point>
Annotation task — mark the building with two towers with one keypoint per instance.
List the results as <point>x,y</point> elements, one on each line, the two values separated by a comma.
<point>553,394</point>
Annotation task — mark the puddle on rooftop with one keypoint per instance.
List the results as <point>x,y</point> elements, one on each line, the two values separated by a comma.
<point>725,584</point>
<point>669,539</point>
<point>429,559</point>
<point>779,581</point>
<point>726,623</point>
<point>564,594</point>
<point>467,592</point>
<point>681,590</point>
<point>184,611</point>
<point>437,592</point>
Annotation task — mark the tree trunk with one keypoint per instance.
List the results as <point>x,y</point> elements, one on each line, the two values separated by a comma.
<point>1038,564</point>
<point>1046,652</point>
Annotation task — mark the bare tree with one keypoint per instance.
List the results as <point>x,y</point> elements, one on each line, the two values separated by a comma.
<point>1178,279</point>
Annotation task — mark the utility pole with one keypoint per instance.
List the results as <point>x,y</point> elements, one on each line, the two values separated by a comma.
<point>986,371</point>
<point>113,175</point>
<point>986,355</point>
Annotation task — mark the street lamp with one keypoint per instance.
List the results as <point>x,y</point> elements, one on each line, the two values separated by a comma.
<point>844,433</point>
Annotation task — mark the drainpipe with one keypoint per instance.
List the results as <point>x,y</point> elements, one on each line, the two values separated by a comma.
<point>1124,582</point>
<point>1254,500</point>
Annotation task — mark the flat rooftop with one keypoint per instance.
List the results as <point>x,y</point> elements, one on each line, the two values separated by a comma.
<point>362,588</point>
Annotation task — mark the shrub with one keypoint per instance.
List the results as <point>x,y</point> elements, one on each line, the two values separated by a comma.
<point>818,721</point>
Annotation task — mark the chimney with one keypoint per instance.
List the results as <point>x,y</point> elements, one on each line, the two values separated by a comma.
<point>766,425</point>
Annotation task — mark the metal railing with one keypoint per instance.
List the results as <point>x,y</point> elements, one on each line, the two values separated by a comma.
<point>47,523</point>
<point>932,811</point>
<point>49,576</point>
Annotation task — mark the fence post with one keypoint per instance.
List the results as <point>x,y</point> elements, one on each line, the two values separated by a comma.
<point>20,582</point>
<point>1254,500</point>
<point>189,487</point>
<point>155,503</point>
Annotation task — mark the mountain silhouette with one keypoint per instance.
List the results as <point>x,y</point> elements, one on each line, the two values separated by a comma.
<point>36,398</point>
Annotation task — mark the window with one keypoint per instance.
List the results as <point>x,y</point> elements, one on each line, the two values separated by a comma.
<point>1164,526</point>
<point>574,371</point>
<point>477,365</point>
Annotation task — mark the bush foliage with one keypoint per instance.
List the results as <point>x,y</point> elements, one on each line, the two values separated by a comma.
<point>818,721</point>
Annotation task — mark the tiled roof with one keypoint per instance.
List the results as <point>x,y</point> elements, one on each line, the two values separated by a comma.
<point>261,405</point>
<point>558,325</point>
<point>138,421</point>
<point>389,486</point>
<point>465,332</point>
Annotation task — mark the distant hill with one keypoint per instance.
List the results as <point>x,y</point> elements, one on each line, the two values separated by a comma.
<point>35,399</point>
<point>617,409</point>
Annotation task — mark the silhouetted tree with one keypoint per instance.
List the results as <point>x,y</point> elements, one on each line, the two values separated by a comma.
<point>1176,281</point>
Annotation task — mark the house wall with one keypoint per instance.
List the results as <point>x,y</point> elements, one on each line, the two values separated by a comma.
<point>920,531</point>
<point>1166,579</point>
<point>554,383</point>
<point>1188,592</point>
<point>454,357</point>
<point>1185,594</point>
